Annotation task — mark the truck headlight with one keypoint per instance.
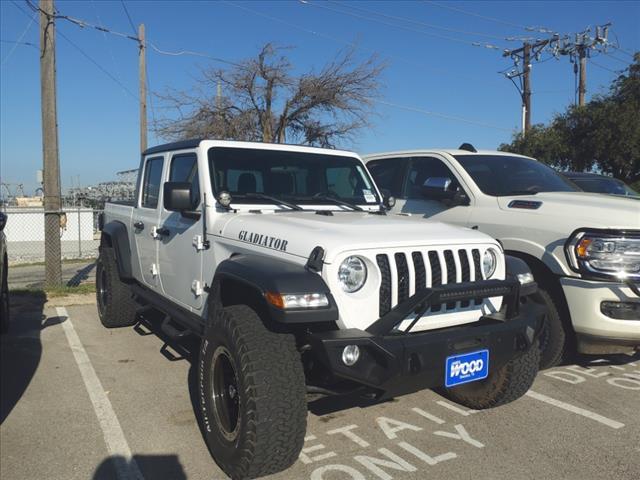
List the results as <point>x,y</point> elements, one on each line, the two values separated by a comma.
<point>352,274</point>
<point>489,263</point>
<point>605,253</point>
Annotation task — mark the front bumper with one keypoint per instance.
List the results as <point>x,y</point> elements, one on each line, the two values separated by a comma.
<point>395,363</point>
<point>597,332</point>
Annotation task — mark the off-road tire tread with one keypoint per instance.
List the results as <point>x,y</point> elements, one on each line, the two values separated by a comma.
<point>505,385</point>
<point>120,308</point>
<point>274,386</point>
<point>556,350</point>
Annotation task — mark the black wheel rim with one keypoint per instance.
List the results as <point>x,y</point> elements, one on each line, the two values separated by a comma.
<point>101,288</point>
<point>225,393</point>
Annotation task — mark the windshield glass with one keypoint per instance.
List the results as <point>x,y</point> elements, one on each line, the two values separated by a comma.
<point>611,186</point>
<point>501,175</point>
<point>291,176</point>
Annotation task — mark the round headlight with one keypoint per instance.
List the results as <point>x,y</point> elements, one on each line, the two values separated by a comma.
<point>352,274</point>
<point>489,263</point>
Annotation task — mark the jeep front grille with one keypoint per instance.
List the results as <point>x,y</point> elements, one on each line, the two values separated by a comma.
<point>425,269</point>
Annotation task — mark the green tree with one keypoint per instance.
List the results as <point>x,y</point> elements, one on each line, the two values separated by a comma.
<point>603,135</point>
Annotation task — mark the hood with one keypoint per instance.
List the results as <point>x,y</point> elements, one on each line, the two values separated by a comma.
<point>580,209</point>
<point>298,233</point>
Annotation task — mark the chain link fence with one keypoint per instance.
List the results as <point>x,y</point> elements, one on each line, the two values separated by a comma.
<point>79,234</point>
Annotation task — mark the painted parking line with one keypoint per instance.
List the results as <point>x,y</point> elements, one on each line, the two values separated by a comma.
<point>124,464</point>
<point>573,409</point>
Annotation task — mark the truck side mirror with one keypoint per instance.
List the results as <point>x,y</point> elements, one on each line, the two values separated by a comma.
<point>388,200</point>
<point>3,220</point>
<point>437,188</point>
<point>177,196</point>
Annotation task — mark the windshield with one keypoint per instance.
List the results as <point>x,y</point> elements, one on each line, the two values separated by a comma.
<point>611,186</point>
<point>501,175</point>
<point>296,177</point>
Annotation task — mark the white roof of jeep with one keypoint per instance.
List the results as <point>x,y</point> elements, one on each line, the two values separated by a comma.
<point>206,143</point>
<point>450,151</point>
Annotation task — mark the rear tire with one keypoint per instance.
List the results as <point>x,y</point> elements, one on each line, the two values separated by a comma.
<point>116,306</point>
<point>252,394</point>
<point>502,386</point>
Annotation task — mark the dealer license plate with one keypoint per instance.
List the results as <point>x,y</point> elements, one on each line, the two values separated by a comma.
<point>466,368</point>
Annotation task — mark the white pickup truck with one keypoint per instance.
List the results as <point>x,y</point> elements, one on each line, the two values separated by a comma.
<point>284,261</point>
<point>583,248</point>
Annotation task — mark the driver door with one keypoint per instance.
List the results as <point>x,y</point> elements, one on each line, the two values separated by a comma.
<point>428,171</point>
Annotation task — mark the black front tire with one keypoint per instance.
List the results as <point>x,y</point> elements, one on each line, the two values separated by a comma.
<point>553,337</point>
<point>116,306</point>
<point>502,386</point>
<point>252,394</point>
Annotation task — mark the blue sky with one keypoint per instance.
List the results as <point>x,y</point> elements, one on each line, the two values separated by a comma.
<point>98,118</point>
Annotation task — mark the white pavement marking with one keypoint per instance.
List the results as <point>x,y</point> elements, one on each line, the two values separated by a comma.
<point>123,462</point>
<point>573,409</point>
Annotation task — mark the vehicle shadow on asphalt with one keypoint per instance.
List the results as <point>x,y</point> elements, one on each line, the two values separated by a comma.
<point>21,348</point>
<point>151,467</point>
<point>81,275</point>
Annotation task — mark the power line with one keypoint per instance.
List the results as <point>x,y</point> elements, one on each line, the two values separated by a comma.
<point>427,25</point>
<point>191,53</point>
<point>402,27</point>
<point>19,41</point>
<point>603,67</point>
<point>491,19</point>
<point>441,115</point>
<point>102,69</point>
<point>106,39</point>
<point>28,44</point>
<point>133,27</point>
<point>83,23</point>
<point>354,45</point>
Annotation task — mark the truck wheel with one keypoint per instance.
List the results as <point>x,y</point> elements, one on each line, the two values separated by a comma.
<point>116,306</point>
<point>502,386</point>
<point>252,394</point>
<point>553,337</point>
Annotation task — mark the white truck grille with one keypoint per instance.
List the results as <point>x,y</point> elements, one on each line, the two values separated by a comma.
<point>404,273</point>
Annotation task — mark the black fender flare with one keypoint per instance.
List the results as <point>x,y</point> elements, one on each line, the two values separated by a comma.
<point>116,233</point>
<point>261,274</point>
<point>515,266</point>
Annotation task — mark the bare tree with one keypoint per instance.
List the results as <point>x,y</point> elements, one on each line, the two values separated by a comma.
<point>263,101</point>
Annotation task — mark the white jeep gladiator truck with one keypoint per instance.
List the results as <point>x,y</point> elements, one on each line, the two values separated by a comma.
<point>583,248</point>
<point>283,260</point>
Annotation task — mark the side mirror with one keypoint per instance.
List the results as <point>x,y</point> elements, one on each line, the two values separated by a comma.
<point>177,196</point>
<point>437,188</point>
<point>3,220</point>
<point>388,200</point>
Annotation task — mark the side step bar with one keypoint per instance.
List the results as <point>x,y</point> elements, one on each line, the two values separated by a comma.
<point>171,331</point>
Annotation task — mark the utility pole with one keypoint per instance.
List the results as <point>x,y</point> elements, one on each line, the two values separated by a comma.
<point>51,162</point>
<point>526,82</point>
<point>142,64</point>
<point>582,85</point>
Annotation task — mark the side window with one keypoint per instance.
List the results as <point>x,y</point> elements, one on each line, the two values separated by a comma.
<point>184,168</point>
<point>423,168</point>
<point>152,180</point>
<point>387,174</point>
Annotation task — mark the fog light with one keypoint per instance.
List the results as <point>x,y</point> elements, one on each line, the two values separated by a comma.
<point>620,310</point>
<point>350,355</point>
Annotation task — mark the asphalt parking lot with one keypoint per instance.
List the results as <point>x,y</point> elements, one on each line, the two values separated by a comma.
<point>82,402</point>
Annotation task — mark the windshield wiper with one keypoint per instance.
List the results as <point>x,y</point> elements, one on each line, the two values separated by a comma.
<point>337,201</point>
<point>277,200</point>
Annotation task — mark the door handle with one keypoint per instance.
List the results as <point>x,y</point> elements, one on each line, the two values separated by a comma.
<point>139,226</point>
<point>162,232</point>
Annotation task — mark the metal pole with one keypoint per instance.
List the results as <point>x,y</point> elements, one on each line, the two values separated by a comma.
<point>527,86</point>
<point>79,236</point>
<point>142,72</point>
<point>51,162</point>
